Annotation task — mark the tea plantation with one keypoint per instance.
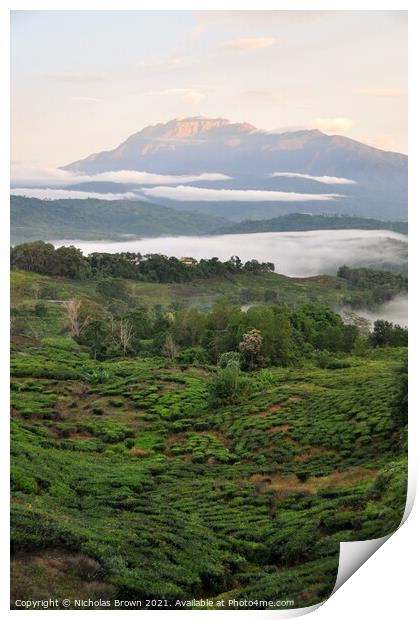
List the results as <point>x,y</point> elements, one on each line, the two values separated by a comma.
<point>129,482</point>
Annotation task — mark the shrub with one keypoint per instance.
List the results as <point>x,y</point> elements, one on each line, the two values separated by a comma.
<point>193,355</point>
<point>230,386</point>
<point>227,357</point>
<point>40,309</point>
<point>115,402</point>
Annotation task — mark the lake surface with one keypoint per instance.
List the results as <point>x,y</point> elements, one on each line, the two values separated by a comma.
<point>295,254</point>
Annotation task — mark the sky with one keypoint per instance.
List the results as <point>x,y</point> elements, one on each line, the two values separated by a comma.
<point>83,81</point>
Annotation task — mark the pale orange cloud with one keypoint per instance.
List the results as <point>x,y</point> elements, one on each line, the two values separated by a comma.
<point>330,125</point>
<point>264,96</point>
<point>188,95</point>
<point>386,142</point>
<point>383,92</point>
<point>244,45</point>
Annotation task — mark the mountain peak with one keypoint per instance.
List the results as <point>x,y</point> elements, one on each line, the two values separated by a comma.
<point>192,126</point>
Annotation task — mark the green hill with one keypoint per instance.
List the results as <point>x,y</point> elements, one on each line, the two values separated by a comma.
<point>303,221</point>
<point>33,219</point>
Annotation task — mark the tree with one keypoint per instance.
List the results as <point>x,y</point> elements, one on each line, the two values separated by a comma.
<point>188,327</point>
<point>250,348</point>
<point>124,335</point>
<point>274,325</point>
<point>34,256</point>
<point>114,288</point>
<point>170,349</point>
<point>68,261</point>
<point>96,337</point>
<point>76,321</point>
<point>387,334</point>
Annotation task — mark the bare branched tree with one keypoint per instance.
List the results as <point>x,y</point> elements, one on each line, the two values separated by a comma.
<point>125,335</point>
<point>170,348</point>
<point>121,332</point>
<point>76,322</point>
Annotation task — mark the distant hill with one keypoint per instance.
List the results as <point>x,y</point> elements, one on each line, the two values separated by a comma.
<point>302,221</point>
<point>90,218</point>
<point>32,219</point>
<point>372,182</point>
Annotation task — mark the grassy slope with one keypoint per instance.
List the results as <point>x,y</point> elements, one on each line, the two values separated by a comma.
<point>238,289</point>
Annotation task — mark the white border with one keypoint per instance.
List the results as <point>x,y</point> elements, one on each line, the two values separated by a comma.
<point>384,586</point>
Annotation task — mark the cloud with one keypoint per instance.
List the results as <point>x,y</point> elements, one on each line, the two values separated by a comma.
<point>383,92</point>
<point>27,172</point>
<point>61,194</point>
<point>149,178</point>
<point>86,99</point>
<point>243,45</point>
<point>182,192</point>
<point>323,179</point>
<point>264,96</point>
<point>188,95</point>
<point>167,64</point>
<point>395,311</point>
<point>254,21</point>
<point>385,142</point>
<point>338,124</point>
<point>74,78</point>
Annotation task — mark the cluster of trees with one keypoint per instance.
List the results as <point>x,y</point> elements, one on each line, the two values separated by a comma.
<point>68,261</point>
<point>236,340</point>
<point>386,334</point>
<point>43,258</point>
<point>260,336</point>
<point>376,286</point>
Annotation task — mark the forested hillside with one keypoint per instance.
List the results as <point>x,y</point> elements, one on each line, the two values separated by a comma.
<point>33,219</point>
<point>306,221</point>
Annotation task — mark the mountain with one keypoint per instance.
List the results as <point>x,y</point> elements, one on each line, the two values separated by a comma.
<point>197,145</point>
<point>33,219</point>
<point>363,180</point>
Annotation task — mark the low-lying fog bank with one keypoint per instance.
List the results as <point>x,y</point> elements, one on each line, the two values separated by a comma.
<point>394,311</point>
<point>295,254</point>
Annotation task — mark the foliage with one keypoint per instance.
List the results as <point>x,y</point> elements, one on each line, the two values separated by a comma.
<point>68,261</point>
<point>386,334</point>
<point>400,405</point>
<point>303,221</point>
<point>101,219</point>
<point>253,496</point>
<point>250,348</point>
<point>230,386</point>
<point>141,476</point>
<point>380,286</point>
